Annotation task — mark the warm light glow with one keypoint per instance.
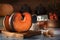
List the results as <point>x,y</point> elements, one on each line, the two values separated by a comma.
<point>53,16</point>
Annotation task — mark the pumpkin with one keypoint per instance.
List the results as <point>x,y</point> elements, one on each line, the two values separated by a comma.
<point>18,23</point>
<point>6,22</point>
<point>21,23</point>
<point>5,9</point>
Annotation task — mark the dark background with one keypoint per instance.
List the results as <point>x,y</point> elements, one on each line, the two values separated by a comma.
<point>32,3</point>
<point>55,4</point>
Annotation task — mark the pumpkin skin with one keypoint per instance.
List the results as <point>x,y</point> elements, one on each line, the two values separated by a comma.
<point>6,23</point>
<point>6,9</point>
<point>21,24</point>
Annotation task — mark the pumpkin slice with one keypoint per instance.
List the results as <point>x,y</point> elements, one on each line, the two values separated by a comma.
<point>6,23</point>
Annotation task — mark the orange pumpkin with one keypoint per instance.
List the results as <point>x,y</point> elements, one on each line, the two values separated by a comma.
<point>6,23</point>
<point>5,9</point>
<point>17,23</point>
<point>22,24</point>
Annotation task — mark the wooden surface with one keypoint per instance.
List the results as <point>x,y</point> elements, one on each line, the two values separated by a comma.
<point>1,29</point>
<point>9,34</point>
<point>31,33</point>
<point>17,35</point>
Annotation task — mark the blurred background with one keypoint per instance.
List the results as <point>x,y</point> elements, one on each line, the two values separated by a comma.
<point>15,5</point>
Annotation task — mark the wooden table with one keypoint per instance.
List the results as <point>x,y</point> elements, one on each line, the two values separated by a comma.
<point>25,34</point>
